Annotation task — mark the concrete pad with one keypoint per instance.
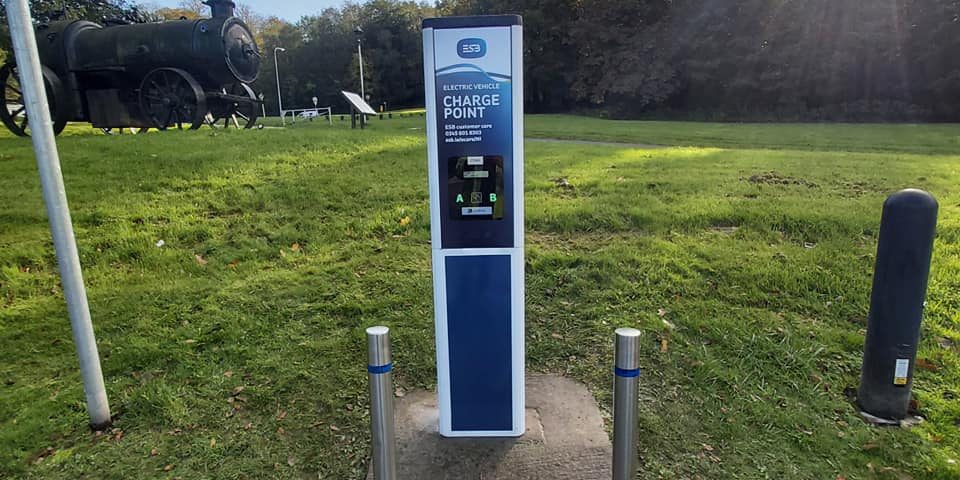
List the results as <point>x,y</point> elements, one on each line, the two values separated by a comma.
<point>564,440</point>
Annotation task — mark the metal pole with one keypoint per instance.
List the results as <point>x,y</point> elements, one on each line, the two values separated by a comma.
<point>276,66</point>
<point>625,392</point>
<point>905,247</point>
<point>379,366</point>
<point>55,198</point>
<point>363,94</point>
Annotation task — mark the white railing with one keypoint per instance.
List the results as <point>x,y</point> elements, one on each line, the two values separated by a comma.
<point>314,113</point>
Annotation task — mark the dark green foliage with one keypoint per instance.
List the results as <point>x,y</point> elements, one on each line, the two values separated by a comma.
<point>784,60</point>
<point>741,59</point>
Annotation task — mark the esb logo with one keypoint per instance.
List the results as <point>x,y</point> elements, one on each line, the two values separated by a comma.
<point>471,48</point>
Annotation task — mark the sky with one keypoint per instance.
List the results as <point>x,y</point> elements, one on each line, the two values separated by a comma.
<point>290,10</point>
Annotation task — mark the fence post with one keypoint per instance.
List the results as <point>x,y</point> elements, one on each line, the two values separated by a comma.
<point>625,392</point>
<point>379,366</point>
<point>904,249</point>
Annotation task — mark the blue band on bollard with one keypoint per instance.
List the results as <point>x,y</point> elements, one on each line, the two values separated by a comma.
<point>626,373</point>
<point>381,369</point>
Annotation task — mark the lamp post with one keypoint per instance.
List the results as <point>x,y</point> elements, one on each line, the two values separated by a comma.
<point>279,97</point>
<point>359,32</point>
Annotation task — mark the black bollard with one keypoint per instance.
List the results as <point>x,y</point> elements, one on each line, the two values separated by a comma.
<point>896,307</point>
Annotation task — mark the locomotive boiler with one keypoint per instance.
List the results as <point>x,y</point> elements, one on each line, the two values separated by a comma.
<point>173,74</point>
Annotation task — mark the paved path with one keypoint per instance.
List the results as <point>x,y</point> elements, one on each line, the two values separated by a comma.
<point>643,146</point>
<point>565,439</point>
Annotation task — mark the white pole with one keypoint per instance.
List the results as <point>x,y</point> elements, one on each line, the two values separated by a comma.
<point>55,198</point>
<point>276,65</point>
<point>363,94</point>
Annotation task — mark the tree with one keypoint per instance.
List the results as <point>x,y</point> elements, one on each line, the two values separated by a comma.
<point>175,13</point>
<point>620,65</point>
<point>195,6</point>
<point>550,47</point>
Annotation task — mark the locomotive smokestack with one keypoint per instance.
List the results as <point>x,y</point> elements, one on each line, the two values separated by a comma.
<point>221,8</point>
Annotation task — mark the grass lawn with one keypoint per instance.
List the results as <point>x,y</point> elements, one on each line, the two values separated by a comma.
<point>236,350</point>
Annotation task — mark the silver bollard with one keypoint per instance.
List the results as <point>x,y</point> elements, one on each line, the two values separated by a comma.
<point>379,366</point>
<point>625,392</point>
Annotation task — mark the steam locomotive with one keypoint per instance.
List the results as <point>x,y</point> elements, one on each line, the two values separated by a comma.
<point>162,75</point>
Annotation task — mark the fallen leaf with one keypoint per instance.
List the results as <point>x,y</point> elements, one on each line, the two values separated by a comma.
<point>283,253</point>
<point>228,374</point>
<point>664,345</point>
<point>213,442</point>
<point>168,468</point>
<point>248,426</point>
<point>661,312</point>
<point>154,452</point>
<point>190,341</point>
<point>281,431</point>
<point>334,428</point>
<point>291,461</point>
<point>405,221</point>
<point>236,391</point>
<point>945,342</point>
<point>160,243</point>
<point>557,336</point>
<point>233,265</point>
<point>706,447</point>
<point>282,415</point>
<point>924,364</point>
<point>870,446</point>
<point>200,259</point>
<point>295,247</point>
<point>399,392</point>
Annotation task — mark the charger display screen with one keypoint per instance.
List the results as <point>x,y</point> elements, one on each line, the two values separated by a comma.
<point>475,186</point>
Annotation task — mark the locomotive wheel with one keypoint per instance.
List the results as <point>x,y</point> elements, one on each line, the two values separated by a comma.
<point>172,97</point>
<point>13,114</point>
<point>231,110</point>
